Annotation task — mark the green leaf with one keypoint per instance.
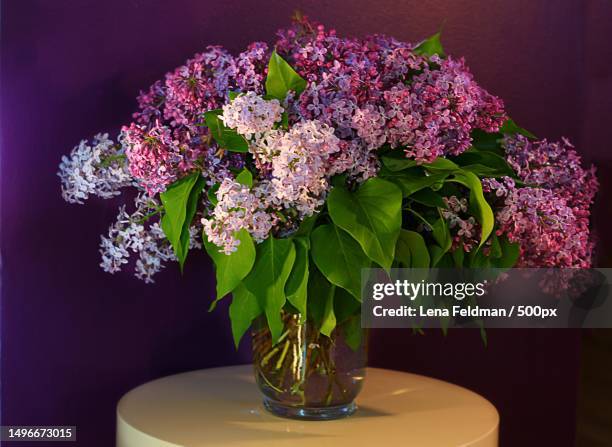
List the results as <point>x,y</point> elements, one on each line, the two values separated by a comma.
<point>396,161</point>
<point>296,288</point>
<point>441,164</point>
<point>212,194</point>
<point>353,332</point>
<point>339,180</point>
<point>445,261</point>
<point>477,259</point>
<point>225,137</point>
<point>284,121</point>
<point>430,46</point>
<point>307,225</point>
<point>245,178</point>
<point>180,201</point>
<point>233,268</point>
<point>483,171</point>
<point>233,94</point>
<point>490,142</point>
<point>243,310</point>
<point>441,233</point>
<point>496,250</point>
<point>372,215</point>
<point>328,322</point>
<point>442,236</point>
<point>511,128</point>
<point>321,303</point>
<point>475,160</point>
<point>510,253</point>
<point>429,198</point>
<point>414,243</point>
<point>478,204</point>
<point>282,78</point>
<point>339,257</point>
<point>403,257</point>
<point>273,263</point>
<point>413,180</point>
<point>458,256</point>
<point>345,305</point>
<point>483,337</point>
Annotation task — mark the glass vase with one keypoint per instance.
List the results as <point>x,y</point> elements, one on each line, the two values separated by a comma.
<point>307,375</point>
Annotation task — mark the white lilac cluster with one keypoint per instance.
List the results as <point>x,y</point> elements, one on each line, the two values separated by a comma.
<point>238,207</point>
<point>300,165</point>
<point>97,169</point>
<point>132,234</point>
<point>251,115</point>
<point>298,162</point>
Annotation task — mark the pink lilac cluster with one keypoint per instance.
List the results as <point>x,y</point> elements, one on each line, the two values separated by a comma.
<point>377,91</point>
<point>550,232</point>
<point>549,216</point>
<point>168,138</point>
<point>555,166</point>
<point>155,158</point>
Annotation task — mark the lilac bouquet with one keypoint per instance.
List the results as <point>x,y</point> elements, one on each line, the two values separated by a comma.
<point>294,166</point>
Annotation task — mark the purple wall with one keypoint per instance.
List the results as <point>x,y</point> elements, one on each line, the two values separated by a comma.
<point>75,339</point>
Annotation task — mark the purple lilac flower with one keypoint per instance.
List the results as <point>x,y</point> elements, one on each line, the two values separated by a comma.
<point>555,166</point>
<point>379,90</point>
<point>155,159</point>
<point>549,231</point>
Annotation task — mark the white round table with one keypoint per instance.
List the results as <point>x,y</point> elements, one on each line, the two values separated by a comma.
<point>222,407</point>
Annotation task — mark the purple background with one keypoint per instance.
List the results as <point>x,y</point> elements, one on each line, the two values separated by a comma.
<point>75,339</point>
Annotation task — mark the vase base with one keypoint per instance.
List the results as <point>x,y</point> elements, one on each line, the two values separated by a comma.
<point>311,413</point>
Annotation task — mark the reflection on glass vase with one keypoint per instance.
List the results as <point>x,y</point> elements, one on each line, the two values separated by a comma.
<point>308,375</point>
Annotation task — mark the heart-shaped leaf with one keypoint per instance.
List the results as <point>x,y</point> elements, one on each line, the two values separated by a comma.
<point>282,78</point>
<point>243,310</point>
<point>296,288</point>
<point>233,268</point>
<point>414,179</point>
<point>411,250</point>
<point>321,303</point>
<point>396,161</point>
<point>372,215</point>
<point>339,257</point>
<point>273,263</point>
<point>180,202</point>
